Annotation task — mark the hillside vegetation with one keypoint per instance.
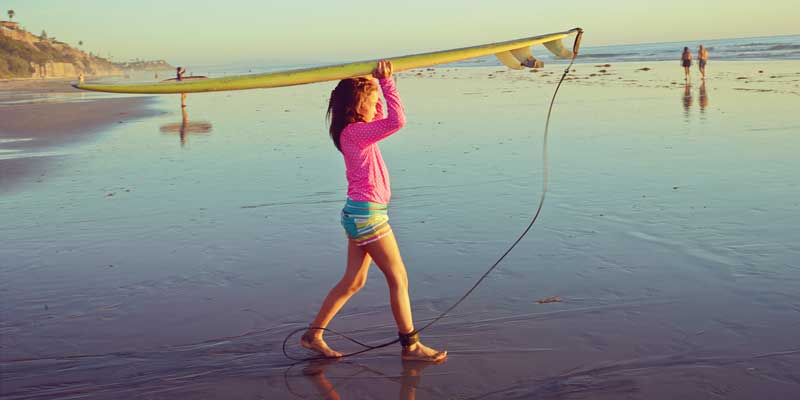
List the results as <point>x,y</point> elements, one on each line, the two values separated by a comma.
<point>24,55</point>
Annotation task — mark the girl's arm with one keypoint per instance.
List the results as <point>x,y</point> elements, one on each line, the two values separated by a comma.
<point>366,133</point>
<point>379,111</point>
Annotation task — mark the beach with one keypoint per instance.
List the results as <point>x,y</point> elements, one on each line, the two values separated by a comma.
<point>139,262</point>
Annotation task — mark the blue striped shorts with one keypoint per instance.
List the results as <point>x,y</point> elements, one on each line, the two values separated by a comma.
<point>365,222</point>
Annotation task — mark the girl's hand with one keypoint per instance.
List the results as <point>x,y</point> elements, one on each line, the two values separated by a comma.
<point>383,70</point>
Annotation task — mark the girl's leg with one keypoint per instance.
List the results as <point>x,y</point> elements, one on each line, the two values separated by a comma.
<point>386,255</point>
<point>355,276</point>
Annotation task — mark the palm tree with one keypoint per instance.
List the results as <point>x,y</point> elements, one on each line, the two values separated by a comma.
<point>11,14</point>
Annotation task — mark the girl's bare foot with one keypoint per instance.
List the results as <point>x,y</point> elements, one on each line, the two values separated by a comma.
<point>420,352</point>
<point>316,343</point>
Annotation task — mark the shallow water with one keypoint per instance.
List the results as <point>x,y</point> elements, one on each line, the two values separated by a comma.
<point>148,268</point>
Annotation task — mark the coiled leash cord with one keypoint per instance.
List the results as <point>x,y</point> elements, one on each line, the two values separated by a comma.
<point>367,347</point>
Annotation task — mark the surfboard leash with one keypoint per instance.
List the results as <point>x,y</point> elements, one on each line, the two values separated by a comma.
<point>545,173</point>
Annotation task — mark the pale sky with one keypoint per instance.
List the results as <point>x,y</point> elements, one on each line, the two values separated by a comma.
<point>330,31</point>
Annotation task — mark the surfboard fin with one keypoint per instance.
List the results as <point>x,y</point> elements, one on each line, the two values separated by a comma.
<point>557,48</point>
<point>509,60</point>
<point>519,58</point>
<point>526,58</point>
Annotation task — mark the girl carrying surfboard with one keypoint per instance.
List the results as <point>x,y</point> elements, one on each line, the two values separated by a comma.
<point>357,123</point>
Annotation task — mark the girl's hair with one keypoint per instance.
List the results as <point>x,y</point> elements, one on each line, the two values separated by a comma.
<point>344,105</point>
<point>685,49</point>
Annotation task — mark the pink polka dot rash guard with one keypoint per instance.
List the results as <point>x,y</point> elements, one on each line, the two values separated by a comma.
<point>367,177</point>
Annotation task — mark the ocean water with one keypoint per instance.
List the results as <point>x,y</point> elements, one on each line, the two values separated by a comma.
<point>754,48</point>
<point>785,47</point>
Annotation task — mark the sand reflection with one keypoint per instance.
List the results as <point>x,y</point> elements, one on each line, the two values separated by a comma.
<point>185,127</point>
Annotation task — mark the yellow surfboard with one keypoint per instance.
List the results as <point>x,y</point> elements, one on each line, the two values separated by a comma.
<point>515,54</point>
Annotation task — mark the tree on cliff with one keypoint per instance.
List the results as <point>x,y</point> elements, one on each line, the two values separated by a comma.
<point>43,35</point>
<point>11,14</point>
<point>80,43</point>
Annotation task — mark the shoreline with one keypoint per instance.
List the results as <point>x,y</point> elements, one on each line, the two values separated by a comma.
<point>35,86</point>
<point>60,84</point>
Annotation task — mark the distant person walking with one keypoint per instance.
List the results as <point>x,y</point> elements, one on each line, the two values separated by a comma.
<point>686,61</point>
<point>702,59</point>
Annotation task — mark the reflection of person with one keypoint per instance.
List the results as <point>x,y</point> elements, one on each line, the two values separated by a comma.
<point>409,380</point>
<point>703,97</point>
<point>357,123</point>
<point>81,78</point>
<point>686,61</point>
<point>184,124</point>
<point>179,76</point>
<point>687,98</point>
<point>412,374</point>
<point>702,59</point>
<point>184,128</point>
<point>315,372</point>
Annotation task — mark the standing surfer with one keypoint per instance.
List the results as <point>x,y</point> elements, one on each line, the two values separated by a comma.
<point>179,76</point>
<point>686,61</point>
<point>357,123</point>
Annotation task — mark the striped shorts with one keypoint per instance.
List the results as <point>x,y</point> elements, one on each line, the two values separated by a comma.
<point>365,222</point>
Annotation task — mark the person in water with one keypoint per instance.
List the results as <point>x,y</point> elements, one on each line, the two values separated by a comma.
<point>357,123</point>
<point>686,61</point>
<point>702,59</point>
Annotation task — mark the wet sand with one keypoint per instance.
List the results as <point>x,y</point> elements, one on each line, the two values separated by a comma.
<point>35,135</point>
<point>152,269</point>
<point>38,85</point>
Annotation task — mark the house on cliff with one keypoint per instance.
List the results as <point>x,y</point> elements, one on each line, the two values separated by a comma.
<point>14,26</point>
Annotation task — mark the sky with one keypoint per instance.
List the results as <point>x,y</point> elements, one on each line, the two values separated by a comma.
<point>330,31</point>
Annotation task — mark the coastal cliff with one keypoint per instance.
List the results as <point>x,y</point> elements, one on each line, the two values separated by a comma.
<point>24,55</point>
